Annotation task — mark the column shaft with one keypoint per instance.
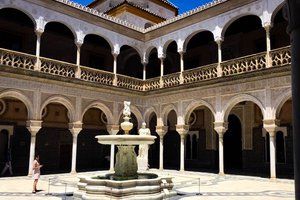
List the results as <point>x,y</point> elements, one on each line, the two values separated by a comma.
<point>161,153</point>
<point>38,50</point>
<point>115,70</point>
<point>31,154</point>
<point>182,148</point>
<point>268,44</point>
<point>219,68</point>
<point>221,155</point>
<point>74,154</point>
<point>272,156</point>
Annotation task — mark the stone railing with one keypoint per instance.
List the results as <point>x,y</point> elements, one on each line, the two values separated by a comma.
<point>152,84</point>
<point>129,82</point>
<point>97,76</point>
<point>59,68</point>
<point>17,59</point>
<point>281,56</point>
<point>171,80</point>
<point>277,57</point>
<point>244,64</point>
<point>200,73</point>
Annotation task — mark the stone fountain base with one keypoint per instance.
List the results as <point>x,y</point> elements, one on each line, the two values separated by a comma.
<point>137,189</point>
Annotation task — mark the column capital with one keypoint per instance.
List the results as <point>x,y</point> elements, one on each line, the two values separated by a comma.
<point>181,51</point>
<point>161,130</point>
<point>39,32</point>
<point>182,129</point>
<point>271,125</point>
<point>221,127</point>
<point>219,40</point>
<point>75,128</point>
<point>115,54</point>
<point>33,126</point>
<point>113,129</point>
<point>78,43</point>
<point>267,26</point>
<point>162,56</point>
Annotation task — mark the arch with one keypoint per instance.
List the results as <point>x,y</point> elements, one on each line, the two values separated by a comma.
<point>192,106</point>
<point>27,13</point>
<point>166,111</point>
<point>101,106</point>
<point>167,43</point>
<point>274,7</point>
<point>148,113</point>
<point>148,51</point>
<point>20,96</point>
<point>62,100</point>
<point>140,53</point>
<point>233,19</point>
<point>240,98</point>
<point>190,36</point>
<point>65,24</point>
<point>276,10</point>
<point>279,102</point>
<point>102,36</point>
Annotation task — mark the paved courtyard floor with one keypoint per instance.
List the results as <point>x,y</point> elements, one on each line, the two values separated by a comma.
<point>212,186</point>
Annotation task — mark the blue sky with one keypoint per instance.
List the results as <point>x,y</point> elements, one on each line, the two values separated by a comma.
<point>183,5</point>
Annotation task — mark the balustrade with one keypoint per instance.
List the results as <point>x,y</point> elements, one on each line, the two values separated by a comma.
<point>59,68</point>
<point>279,57</point>
<point>152,84</point>
<point>244,64</point>
<point>130,83</point>
<point>201,73</point>
<point>17,59</point>
<point>98,76</point>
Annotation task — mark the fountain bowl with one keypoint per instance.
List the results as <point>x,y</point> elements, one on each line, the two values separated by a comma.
<point>125,139</point>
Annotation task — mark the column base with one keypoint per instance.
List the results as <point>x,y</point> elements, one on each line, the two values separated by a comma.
<point>273,178</point>
<point>181,170</point>
<point>73,172</point>
<point>221,174</point>
<point>161,169</point>
<point>29,174</point>
<point>111,170</point>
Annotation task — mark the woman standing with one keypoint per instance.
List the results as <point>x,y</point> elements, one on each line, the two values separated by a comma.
<point>36,172</point>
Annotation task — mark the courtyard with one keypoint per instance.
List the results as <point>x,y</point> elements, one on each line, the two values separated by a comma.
<point>186,184</point>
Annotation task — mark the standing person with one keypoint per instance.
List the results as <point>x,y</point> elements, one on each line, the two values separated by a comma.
<point>36,172</point>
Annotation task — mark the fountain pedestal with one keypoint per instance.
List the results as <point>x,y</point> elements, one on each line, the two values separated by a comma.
<point>126,165</point>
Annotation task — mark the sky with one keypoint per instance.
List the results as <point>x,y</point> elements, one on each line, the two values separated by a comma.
<point>183,5</point>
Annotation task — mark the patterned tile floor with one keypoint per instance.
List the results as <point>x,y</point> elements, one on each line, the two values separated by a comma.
<point>212,187</point>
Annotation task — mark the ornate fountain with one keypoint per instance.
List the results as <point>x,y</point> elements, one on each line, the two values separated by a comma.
<point>126,182</point>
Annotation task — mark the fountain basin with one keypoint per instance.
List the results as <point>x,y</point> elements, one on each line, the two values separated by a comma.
<point>125,139</point>
<point>91,188</point>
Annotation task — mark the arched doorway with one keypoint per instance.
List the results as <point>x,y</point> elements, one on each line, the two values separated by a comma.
<point>54,139</point>
<point>172,144</point>
<point>233,145</point>
<point>90,154</point>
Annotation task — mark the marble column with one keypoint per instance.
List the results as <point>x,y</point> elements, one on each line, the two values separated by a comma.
<point>161,71</point>
<point>293,15</point>
<point>78,71</point>
<point>38,50</point>
<point>144,74</point>
<point>33,127</point>
<point>115,81</point>
<point>219,68</point>
<point>221,128</point>
<point>268,45</point>
<point>270,125</point>
<point>181,53</point>
<point>182,130</point>
<point>75,129</point>
<point>161,131</point>
<point>113,130</point>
